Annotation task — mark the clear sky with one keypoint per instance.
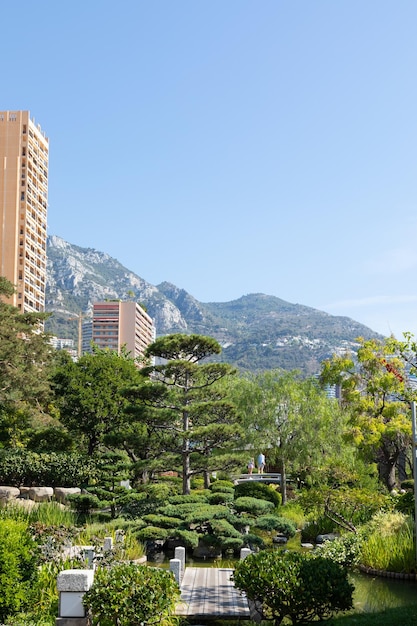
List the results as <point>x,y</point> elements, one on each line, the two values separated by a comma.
<point>232,146</point>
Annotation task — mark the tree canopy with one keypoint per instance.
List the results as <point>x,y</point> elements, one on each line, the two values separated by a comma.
<point>25,352</point>
<point>374,391</point>
<point>90,394</point>
<point>182,404</point>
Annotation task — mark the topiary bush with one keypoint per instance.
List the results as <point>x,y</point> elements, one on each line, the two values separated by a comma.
<point>221,497</point>
<point>152,533</point>
<point>222,485</point>
<point>163,521</point>
<point>280,524</point>
<point>294,585</point>
<point>253,506</point>
<point>254,489</point>
<point>83,504</point>
<point>128,595</point>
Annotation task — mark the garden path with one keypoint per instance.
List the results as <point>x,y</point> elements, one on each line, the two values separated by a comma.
<point>208,592</point>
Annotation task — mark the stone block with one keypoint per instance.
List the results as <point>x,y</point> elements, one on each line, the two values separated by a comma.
<point>9,493</point>
<point>61,493</point>
<point>41,494</point>
<point>75,580</point>
<point>72,621</point>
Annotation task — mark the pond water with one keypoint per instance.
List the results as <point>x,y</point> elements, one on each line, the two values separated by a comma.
<point>374,594</point>
<point>371,594</point>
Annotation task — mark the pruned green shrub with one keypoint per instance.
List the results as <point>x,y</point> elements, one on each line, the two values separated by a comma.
<point>221,497</point>
<point>274,581</point>
<point>163,521</point>
<point>18,567</point>
<point>253,506</point>
<point>280,524</point>
<point>83,503</point>
<point>255,489</point>
<point>188,538</point>
<point>190,499</point>
<point>222,527</point>
<point>254,542</point>
<point>225,486</point>
<point>152,533</point>
<point>128,595</point>
<point>231,544</point>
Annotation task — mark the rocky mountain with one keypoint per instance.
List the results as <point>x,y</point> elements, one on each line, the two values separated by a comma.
<point>256,331</point>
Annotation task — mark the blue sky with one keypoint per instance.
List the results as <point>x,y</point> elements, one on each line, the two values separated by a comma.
<point>232,146</point>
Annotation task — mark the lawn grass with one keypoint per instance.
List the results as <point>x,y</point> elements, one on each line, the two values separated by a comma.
<point>403,616</point>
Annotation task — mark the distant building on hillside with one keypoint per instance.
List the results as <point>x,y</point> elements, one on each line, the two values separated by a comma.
<point>64,344</point>
<point>24,157</point>
<point>121,323</point>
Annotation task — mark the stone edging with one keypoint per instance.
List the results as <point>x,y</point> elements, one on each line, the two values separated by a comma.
<point>385,574</point>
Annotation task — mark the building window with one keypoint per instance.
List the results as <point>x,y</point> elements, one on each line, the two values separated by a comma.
<point>24,129</point>
<point>12,117</point>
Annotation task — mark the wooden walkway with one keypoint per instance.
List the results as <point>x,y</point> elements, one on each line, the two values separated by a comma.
<point>208,592</point>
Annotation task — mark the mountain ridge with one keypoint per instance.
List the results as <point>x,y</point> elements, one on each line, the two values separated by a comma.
<point>256,331</point>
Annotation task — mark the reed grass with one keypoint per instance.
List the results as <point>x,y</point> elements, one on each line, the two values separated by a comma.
<point>390,547</point>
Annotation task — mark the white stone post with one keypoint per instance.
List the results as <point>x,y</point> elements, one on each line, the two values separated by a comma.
<point>72,585</point>
<point>108,544</point>
<point>244,552</point>
<point>177,564</point>
<point>180,554</point>
<point>175,568</point>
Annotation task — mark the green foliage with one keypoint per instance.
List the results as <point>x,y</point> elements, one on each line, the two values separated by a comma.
<point>226,486</point>
<point>344,550</point>
<point>221,497</point>
<point>408,484</point>
<point>274,580</point>
<point>388,543</point>
<point>280,524</point>
<point>51,439</point>
<point>152,533</point>
<point>405,503</point>
<point>83,503</point>
<point>374,391</point>
<point>321,526</point>
<point>24,467</point>
<point>24,357</point>
<point>128,595</point>
<point>163,521</point>
<point>253,506</point>
<point>254,542</point>
<point>222,527</point>
<point>89,395</point>
<point>255,489</point>
<point>190,499</point>
<point>18,567</point>
<point>181,402</point>
<point>188,538</point>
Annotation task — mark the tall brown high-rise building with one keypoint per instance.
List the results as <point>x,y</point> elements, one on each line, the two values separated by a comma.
<point>24,155</point>
<point>117,324</point>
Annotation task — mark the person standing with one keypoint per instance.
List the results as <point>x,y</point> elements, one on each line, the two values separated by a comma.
<point>261,463</point>
<point>251,466</point>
